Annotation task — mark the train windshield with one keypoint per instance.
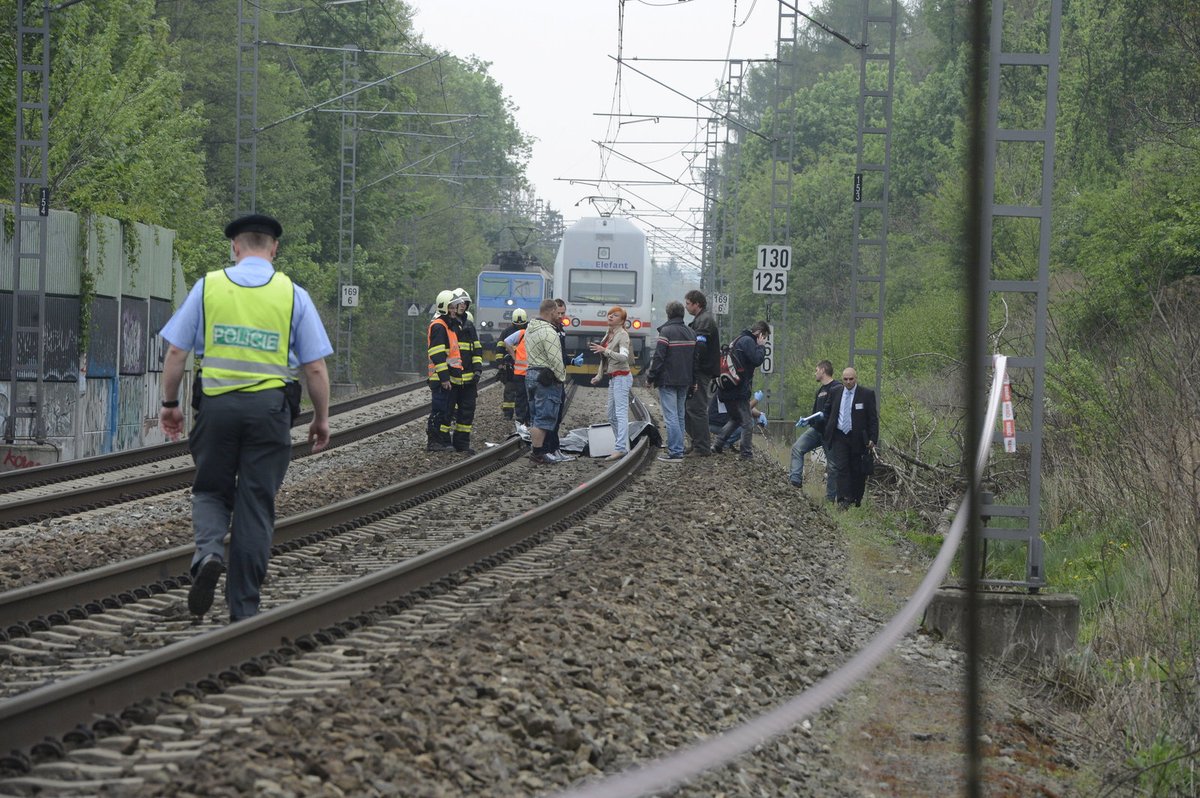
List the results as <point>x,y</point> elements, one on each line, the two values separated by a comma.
<point>600,286</point>
<point>503,287</point>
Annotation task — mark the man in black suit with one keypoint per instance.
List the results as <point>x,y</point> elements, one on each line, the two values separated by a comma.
<point>851,428</point>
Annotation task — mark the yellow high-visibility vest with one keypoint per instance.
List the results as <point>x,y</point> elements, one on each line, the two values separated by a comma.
<point>453,354</point>
<point>247,334</point>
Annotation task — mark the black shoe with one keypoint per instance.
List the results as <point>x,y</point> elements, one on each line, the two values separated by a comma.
<point>701,453</point>
<point>200,596</point>
<point>745,456</point>
<point>718,448</point>
<point>438,447</point>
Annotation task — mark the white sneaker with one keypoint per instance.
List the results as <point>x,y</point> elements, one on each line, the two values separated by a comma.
<point>563,457</point>
<point>522,430</point>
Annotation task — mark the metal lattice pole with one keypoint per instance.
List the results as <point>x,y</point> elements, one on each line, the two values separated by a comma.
<point>31,228</point>
<point>347,291</point>
<point>245,159</point>
<point>730,198</point>
<point>871,187</point>
<point>1032,363</point>
<point>779,226</point>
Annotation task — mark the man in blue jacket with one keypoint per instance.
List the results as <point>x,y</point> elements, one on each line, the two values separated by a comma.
<point>749,353</point>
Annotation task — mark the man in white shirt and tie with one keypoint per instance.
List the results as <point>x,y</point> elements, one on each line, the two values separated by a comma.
<point>852,431</point>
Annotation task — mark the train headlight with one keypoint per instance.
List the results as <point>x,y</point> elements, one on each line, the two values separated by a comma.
<point>637,324</point>
<point>575,322</point>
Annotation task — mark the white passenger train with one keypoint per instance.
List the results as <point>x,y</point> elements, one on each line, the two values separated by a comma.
<point>602,262</point>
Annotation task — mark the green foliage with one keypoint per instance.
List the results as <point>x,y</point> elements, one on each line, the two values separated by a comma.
<point>926,335</point>
<point>1167,767</point>
<point>87,285</point>
<point>1133,237</point>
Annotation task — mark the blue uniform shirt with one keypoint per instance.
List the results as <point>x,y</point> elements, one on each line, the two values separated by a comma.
<point>309,340</point>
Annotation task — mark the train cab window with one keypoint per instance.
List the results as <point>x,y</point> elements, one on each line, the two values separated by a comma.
<point>602,287</point>
<point>524,289</point>
<point>493,287</point>
<point>527,288</point>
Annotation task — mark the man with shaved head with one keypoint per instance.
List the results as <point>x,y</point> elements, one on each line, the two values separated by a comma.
<point>851,431</point>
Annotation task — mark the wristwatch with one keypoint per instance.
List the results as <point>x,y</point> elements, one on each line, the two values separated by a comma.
<point>170,403</point>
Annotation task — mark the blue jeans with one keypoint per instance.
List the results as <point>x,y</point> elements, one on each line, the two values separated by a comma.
<point>811,439</point>
<point>545,402</point>
<point>618,409</point>
<point>673,399</point>
<point>715,431</point>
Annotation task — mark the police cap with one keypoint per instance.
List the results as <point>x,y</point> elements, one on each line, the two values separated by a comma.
<point>254,223</point>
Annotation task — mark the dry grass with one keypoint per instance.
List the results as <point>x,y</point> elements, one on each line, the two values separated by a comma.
<point>1128,456</point>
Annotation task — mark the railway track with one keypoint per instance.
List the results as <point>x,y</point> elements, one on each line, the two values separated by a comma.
<point>55,491</point>
<point>25,478</point>
<point>330,572</point>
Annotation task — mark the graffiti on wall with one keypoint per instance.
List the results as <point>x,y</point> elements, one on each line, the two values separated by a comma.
<point>58,333</point>
<point>102,343</point>
<point>16,457</point>
<point>160,314</point>
<point>134,323</point>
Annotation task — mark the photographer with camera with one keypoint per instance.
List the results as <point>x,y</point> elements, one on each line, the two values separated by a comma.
<point>748,352</point>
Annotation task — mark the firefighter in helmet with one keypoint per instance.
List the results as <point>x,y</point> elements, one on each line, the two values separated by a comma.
<point>445,373</point>
<point>514,364</point>
<point>463,412</point>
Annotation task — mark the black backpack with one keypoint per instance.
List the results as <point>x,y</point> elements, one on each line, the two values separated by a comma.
<point>729,369</point>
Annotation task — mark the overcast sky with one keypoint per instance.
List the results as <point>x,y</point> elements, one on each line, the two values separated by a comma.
<point>554,59</point>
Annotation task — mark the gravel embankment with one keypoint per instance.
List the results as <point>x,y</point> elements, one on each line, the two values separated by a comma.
<point>705,595</point>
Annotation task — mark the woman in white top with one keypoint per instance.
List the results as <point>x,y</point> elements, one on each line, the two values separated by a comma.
<point>615,354</point>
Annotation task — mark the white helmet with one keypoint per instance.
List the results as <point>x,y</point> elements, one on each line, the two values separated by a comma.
<point>444,300</point>
<point>460,295</point>
<point>519,316</point>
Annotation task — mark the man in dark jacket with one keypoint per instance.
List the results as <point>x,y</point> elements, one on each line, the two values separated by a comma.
<point>513,405</point>
<point>708,350</point>
<point>749,353</point>
<point>851,429</point>
<point>814,435</point>
<point>672,371</point>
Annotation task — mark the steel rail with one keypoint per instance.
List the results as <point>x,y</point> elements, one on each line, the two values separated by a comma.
<point>49,474</point>
<point>68,502</point>
<point>56,709</point>
<point>43,605</point>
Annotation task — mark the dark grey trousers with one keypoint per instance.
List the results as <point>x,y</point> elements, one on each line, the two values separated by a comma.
<point>241,445</point>
<point>696,421</point>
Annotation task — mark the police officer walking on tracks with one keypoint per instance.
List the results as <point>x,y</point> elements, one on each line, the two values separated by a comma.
<point>254,329</point>
<point>445,374</point>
